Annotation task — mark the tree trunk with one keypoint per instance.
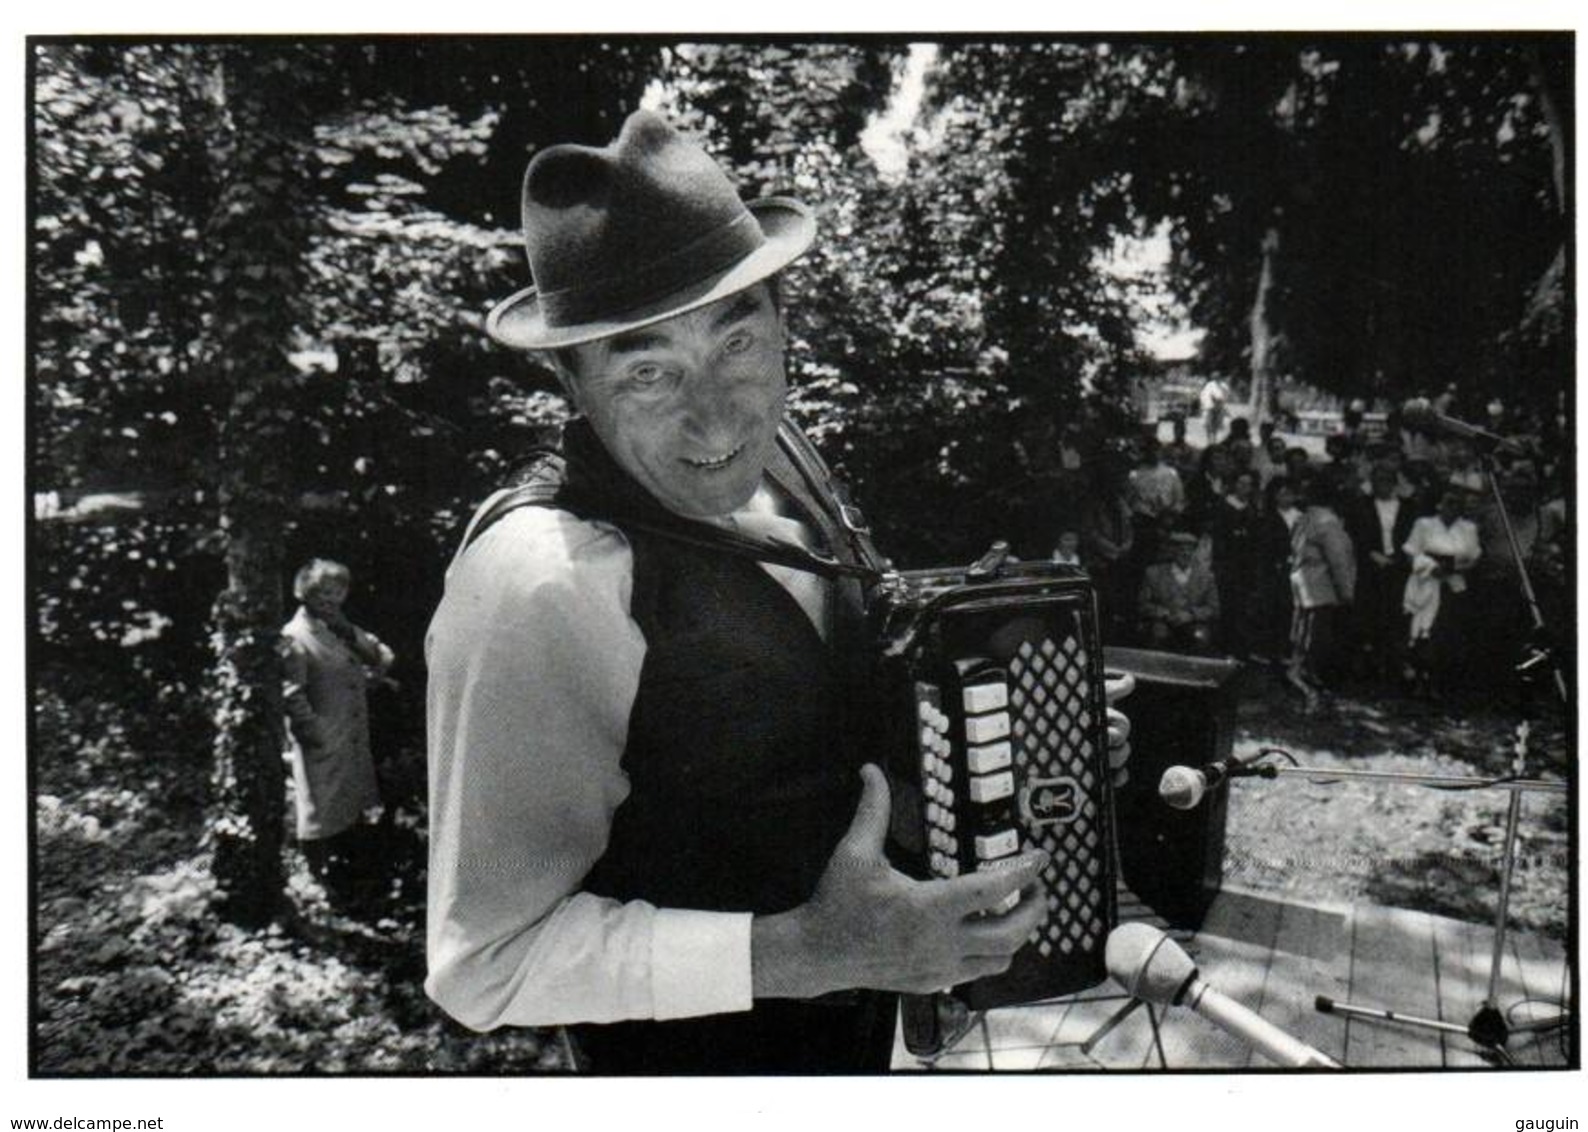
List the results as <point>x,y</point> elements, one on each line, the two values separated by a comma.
<point>1264,359</point>
<point>257,235</point>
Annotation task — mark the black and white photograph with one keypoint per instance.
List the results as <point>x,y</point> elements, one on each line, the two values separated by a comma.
<point>829,555</point>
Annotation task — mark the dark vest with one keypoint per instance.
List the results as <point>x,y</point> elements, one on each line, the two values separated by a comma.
<point>742,773</point>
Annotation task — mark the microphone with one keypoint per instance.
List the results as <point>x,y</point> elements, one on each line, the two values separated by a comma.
<point>1152,967</point>
<point>1182,787</point>
<point>1420,414</point>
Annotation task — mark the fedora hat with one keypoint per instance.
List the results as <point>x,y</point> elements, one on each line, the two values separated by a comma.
<point>635,232</point>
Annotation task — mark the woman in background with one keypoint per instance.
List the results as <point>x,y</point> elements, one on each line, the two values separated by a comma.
<point>327,664</point>
<point>1322,584</point>
<point>1442,548</point>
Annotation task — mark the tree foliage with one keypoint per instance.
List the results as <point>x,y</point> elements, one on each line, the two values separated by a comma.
<point>1406,196</point>
<point>1406,186</point>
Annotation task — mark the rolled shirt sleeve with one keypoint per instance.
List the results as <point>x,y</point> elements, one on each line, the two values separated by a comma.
<point>534,663</point>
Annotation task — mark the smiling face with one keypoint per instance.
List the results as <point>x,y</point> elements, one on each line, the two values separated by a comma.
<point>689,407</point>
<point>326,596</point>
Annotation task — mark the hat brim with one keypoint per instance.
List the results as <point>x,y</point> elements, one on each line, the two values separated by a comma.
<point>788,225</point>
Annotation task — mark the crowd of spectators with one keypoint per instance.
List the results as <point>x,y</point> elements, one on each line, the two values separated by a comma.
<point>1383,559</point>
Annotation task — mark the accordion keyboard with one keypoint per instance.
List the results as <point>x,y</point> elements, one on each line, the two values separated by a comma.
<point>1009,760</point>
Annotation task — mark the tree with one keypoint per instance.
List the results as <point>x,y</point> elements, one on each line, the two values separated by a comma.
<point>1376,207</point>
<point>261,282</point>
<point>259,235</point>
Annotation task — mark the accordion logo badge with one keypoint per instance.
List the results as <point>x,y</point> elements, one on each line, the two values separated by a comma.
<point>1050,801</point>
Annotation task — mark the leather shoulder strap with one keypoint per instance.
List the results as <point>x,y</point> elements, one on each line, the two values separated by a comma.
<point>833,497</point>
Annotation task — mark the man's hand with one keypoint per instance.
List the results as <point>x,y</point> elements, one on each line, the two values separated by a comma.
<point>1118,685</point>
<point>868,925</point>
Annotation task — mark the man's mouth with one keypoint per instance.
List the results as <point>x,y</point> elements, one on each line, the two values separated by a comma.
<point>714,462</point>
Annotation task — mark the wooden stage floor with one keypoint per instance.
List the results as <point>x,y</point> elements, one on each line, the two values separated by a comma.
<point>1276,958</point>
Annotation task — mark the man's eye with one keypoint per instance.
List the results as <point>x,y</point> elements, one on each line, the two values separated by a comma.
<point>647,373</point>
<point>738,342</point>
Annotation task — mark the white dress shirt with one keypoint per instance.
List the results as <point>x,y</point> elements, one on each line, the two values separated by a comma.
<point>534,666</point>
<point>1388,511</point>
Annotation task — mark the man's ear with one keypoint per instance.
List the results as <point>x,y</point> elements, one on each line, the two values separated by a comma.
<point>555,361</point>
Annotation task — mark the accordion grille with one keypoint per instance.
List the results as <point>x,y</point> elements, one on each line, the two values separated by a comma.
<point>1051,724</point>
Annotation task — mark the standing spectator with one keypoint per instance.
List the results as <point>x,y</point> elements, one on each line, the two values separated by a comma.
<point>1212,400</point>
<point>1383,454</point>
<point>1208,487</point>
<point>1340,452</point>
<point>1108,541</point>
<point>1157,500</point>
<point>1323,584</point>
<point>1351,418</point>
<point>1278,519</point>
<point>1178,606</point>
<point>1298,467</point>
<point>1464,467</point>
<point>1178,453</point>
<point>1237,565</point>
<point>1269,458</point>
<point>1242,454</point>
<point>1379,526</point>
<point>1442,548</point>
<point>327,664</point>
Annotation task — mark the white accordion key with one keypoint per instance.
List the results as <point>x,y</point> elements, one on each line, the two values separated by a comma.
<point>989,757</point>
<point>1001,844</point>
<point>979,698</point>
<point>991,787</point>
<point>986,728</point>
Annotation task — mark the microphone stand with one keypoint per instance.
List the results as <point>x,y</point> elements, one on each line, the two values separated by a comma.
<point>1490,1028</point>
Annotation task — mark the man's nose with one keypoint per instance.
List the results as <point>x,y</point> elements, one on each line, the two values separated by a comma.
<point>707,408</point>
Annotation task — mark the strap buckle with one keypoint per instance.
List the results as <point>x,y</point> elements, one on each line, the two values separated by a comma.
<point>854,519</point>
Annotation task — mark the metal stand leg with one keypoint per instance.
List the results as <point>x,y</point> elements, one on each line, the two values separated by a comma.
<point>1488,1028</point>
<point>1112,1021</point>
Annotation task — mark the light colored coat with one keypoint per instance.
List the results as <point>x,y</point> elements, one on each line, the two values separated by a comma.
<point>1322,560</point>
<point>1163,595</point>
<point>325,685</point>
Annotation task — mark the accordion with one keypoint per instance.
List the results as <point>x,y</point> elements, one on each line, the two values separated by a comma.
<point>995,678</point>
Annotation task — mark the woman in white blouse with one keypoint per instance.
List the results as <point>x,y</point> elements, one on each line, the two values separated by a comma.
<point>1442,548</point>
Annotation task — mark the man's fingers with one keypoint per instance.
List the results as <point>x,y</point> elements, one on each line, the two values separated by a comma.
<point>869,829</point>
<point>984,891</point>
<point>981,966</point>
<point>1007,933</point>
<point>1118,685</point>
<point>1118,727</point>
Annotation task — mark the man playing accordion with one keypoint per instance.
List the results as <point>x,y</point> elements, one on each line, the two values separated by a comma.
<point>650,816</point>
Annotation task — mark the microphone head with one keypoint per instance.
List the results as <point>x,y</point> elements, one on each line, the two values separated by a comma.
<point>1147,963</point>
<point>1181,787</point>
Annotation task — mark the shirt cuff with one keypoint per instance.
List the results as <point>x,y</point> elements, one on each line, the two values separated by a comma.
<point>700,963</point>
